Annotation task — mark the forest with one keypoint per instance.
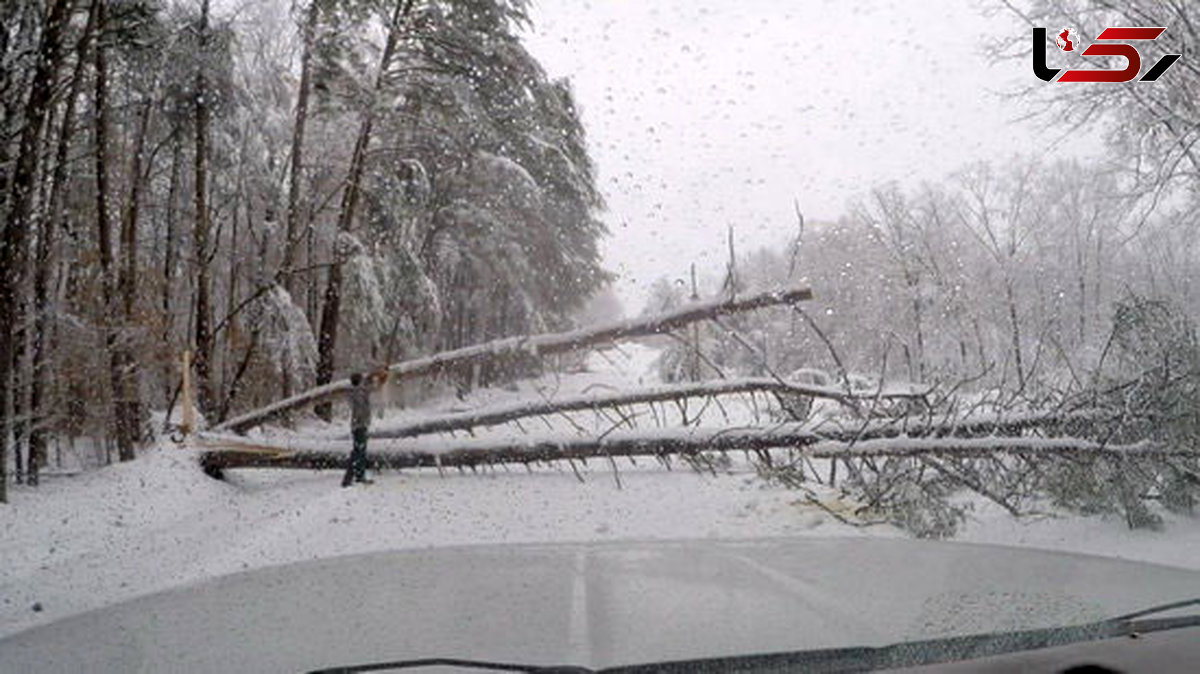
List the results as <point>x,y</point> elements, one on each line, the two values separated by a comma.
<point>288,191</point>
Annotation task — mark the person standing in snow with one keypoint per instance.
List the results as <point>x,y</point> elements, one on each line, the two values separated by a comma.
<point>360,420</point>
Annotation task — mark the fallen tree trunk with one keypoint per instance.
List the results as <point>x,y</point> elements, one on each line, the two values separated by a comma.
<point>1059,423</point>
<point>234,452</point>
<point>500,414</point>
<point>543,345</point>
<point>584,449</point>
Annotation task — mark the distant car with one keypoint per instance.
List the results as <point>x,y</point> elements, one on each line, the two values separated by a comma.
<point>802,604</point>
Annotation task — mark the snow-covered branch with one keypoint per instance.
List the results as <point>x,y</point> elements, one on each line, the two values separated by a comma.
<point>500,414</point>
<point>538,345</point>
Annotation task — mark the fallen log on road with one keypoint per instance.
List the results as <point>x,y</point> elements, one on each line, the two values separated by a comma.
<point>232,452</point>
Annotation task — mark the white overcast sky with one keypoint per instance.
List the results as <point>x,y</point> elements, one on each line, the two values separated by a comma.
<point>703,114</point>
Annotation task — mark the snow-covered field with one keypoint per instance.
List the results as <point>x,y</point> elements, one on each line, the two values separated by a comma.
<point>78,543</point>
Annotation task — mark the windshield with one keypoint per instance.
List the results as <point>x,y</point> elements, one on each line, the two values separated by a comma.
<point>659,302</point>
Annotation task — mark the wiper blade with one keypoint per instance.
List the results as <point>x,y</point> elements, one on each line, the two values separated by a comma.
<point>926,652</point>
<point>453,662</point>
<point>1161,608</point>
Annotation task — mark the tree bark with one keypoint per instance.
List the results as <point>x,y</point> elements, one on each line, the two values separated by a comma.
<point>129,406</point>
<point>918,321</point>
<point>232,331</point>
<point>296,160</point>
<point>117,359</point>
<point>169,259</point>
<point>237,453</point>
<point>46,244</point>
<point>1016,334</point>
<point>129,222</point>
<point>20,400</point>
<point>22,218</point>
<point>200,234</point>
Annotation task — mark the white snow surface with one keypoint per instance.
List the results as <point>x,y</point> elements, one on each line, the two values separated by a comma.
<point>82,542</point>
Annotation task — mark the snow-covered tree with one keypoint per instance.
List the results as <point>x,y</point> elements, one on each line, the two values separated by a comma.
<point>177,174</point>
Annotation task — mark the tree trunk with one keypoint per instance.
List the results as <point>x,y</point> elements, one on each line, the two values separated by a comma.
<point>468,452</point>
<point>169,260</point>
<point>330,312</point>
<point>20,401</point>
<point>129,406</point>
<point>21,215</point>
<point>314,279</point>
<point>18,19</point>
<point>18,461</point>
<point>200,234</point>
<point>116,358</point>
<point>1016,334</point>
<point>45,249</point>
<point>296,161</point>
<point>919,322</point>
<point>129,223</point>
<point>1081,283</point>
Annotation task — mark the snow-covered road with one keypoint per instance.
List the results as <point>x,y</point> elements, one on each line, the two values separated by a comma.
<point>84,542</point>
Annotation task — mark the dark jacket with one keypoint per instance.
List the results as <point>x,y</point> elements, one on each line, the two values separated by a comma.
<point>360,407</point>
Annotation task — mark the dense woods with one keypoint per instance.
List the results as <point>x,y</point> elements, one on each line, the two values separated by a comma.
<point>1005,274</point>
<point>287,190</point>
<point>1013,273</point>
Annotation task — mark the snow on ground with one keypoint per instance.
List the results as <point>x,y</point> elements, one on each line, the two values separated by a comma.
<point>1176,544</point>
<point>82,542</point>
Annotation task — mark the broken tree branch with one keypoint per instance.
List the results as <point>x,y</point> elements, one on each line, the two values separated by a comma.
<point>491,416</point>
<point>542,345</point>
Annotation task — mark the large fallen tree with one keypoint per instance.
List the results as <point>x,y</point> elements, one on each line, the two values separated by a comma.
<point>250,455</point>
<point>966,437</point>
<point>904,472</point>
<point>536,345</point>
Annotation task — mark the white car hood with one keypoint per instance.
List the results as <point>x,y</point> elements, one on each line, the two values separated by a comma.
<point>594,605</point>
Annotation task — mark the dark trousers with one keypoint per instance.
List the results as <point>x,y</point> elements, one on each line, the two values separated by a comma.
<point>356,468</point>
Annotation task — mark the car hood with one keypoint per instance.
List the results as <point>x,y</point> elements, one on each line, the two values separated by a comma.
<point>595,604</point>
